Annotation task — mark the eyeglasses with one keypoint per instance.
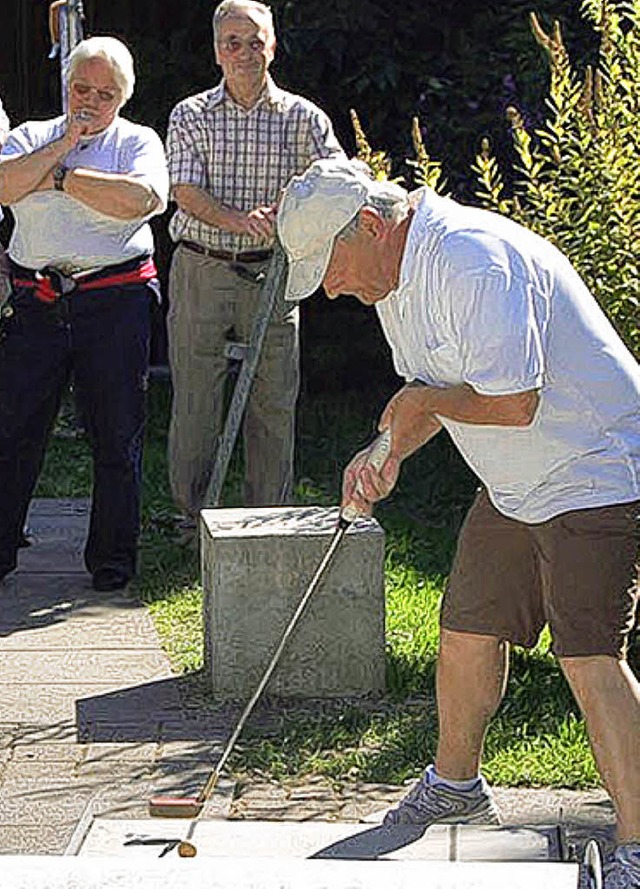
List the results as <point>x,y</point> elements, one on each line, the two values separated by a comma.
<point>83,90</point>
<point>234,44</point>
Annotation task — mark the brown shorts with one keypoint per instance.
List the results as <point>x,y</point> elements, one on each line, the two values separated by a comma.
<point>578,572</point>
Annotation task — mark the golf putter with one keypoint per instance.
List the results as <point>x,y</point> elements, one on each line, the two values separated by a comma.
<point>192,807</point>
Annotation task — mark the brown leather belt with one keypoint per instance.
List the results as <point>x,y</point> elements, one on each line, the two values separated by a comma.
<point>228,255</point>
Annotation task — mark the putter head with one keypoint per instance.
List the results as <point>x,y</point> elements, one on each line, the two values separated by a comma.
<point>174,807</point>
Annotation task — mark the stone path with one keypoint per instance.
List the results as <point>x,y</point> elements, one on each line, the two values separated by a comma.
<point>93,718</point>
<point>90,710</point>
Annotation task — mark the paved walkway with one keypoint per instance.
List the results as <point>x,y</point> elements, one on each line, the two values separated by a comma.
<point>91,716</point>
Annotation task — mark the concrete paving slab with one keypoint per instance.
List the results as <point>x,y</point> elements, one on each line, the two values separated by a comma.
<point>71,588</point>
<point>115,796</point>
<point>38,839</point>
<point>126,629</point>
<point>127,753</point>
<point>255,873</point>
<point>200,751</point>
<point>36,702</point>
<point>116,715</point>
<point>43,526</point>
<point>226,839</point>
<point>31,809</point>
<point>58,530</point>
<point>34,608</point>
<point>100,666</point>
<point>64,752</point>
<point>42,507</point>
<point>53,556</point>
<point>19,774</point>
<point>40,609</point>
<point>32,732</point>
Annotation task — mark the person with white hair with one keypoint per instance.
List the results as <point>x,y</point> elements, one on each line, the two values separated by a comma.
<point>501,343</point>
<point>231,149</point>
<point>82,188</point>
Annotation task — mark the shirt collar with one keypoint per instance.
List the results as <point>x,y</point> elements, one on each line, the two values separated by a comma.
<point>272,95</point>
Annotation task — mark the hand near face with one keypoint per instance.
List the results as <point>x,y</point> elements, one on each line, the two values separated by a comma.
<point>78,125</point>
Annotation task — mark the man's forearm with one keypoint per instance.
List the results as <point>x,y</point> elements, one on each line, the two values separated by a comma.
<point>464,405</point>
<point>202,206</point>
<point>414,413</point>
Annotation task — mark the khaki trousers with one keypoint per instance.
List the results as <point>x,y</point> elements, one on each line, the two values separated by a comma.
<point>211,304</point>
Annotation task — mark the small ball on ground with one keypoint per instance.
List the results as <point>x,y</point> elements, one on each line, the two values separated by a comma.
<point>187,850</point>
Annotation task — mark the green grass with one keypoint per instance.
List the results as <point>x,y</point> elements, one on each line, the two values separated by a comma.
<point>538,737</point>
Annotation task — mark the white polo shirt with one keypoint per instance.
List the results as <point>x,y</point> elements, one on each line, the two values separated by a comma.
<point>52,228</point>
<point>486,302</point>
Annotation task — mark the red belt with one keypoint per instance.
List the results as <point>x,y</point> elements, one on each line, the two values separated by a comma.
<point>50,284</point>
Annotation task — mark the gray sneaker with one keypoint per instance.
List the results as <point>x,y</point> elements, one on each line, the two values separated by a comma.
<point>623,871</point>
<point>429,803</point>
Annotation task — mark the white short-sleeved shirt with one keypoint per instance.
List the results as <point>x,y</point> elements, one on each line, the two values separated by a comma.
<point>486,302</point>
<point>53,228</point>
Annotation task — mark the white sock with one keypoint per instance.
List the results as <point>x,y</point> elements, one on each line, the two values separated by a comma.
<point>434,778</point>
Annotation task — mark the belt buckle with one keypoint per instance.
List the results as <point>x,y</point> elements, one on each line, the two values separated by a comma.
<point>52,284</point>
<point>67,269</point>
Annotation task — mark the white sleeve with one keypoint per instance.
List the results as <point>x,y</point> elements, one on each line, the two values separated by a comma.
<point>146,161</point>
<point>498,318</point>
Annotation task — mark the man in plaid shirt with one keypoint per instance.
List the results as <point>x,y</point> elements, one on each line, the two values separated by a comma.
<point>231,151</point>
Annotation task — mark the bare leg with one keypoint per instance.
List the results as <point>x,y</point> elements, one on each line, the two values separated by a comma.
<point>609,696</point>
<point>470,683</point>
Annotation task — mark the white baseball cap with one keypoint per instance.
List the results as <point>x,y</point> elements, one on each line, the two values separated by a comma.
<point>314,209</point>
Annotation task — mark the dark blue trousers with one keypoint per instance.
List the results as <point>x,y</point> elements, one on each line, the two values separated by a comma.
<point>101,338</point>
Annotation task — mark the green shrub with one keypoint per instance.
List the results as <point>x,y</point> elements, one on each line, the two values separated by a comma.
<point>577,178</point>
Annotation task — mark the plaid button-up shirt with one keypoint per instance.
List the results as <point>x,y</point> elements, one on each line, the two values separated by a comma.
<point>242,158</point>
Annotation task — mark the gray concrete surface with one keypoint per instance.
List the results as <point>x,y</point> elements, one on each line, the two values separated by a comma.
<point>256,566</point>
<point>93,721</point>
<point>330,840</point>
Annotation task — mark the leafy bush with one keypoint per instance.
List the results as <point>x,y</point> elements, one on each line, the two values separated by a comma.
<point>577,178</point>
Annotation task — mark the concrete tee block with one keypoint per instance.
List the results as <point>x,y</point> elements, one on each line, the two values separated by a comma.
<point>256,566</point>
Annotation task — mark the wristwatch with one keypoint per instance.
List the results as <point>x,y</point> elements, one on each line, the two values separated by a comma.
<point>59,175</point>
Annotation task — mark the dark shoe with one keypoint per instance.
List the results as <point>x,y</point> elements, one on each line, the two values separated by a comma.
<point>25,539</point>
<point>106,580</point>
